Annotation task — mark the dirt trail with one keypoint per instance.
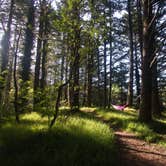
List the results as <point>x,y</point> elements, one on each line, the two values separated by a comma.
<point>135,152</point>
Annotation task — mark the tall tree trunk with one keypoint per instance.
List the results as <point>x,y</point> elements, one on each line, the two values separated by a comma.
<point>7,88</point>
<point>38,57</point>
<point>43,69</point>
<point>156,106</point>
<point>90,73</point>
<point>137,75</point>
<point>140,26</point>
<point>62,69</point>
<point>66,77</point>
<point>29,40</point>
<point>111,51</point>
<point>15,80</point>
<point>98,77</point>
<point>45,47</point>
<point>75,46</point>
<point>145,113</point>
<point>75,86</point>
<point>130,86</point>
<point>105,75</point>
<point>85,88</point>
<point>5,44</point>
<point>62,65</point>
<point>6,40</point>
<point>26,60</point>
<point>39,51</point>
<point>110,70</point>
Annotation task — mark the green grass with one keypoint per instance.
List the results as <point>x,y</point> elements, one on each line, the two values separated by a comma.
<point>75,140</point>
<point>127,120</point>
<point>79,139</point>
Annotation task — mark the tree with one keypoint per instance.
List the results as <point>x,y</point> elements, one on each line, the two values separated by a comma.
<point>137,75</point>
<point>74,37</point>
<point>27,55</point>
<point>5,74</point>
<point>45,44</point>
<point>39,50</point>
<point>29,41</point>
<point>16,41</point>
<point>151,11</point>
<point>130,86</point>
<point>145,113</point>
<point>6,40</point>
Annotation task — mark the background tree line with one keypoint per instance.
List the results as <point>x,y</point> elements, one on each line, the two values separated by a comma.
<point>82,53</point>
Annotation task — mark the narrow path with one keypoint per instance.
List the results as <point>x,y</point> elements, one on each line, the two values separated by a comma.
<point>135,152</point>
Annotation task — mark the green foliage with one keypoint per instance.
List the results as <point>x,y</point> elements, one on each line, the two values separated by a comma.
<point>25,100</point>
<point>46,101</point>
<point>2,79</point>
<point>2,82</point>
<point>127,120</point>
<point>143,131</point>
<point>116,92</point>
<point>77,140</point>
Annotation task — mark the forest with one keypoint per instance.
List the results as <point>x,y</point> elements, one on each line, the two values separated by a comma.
<point>83,82</point>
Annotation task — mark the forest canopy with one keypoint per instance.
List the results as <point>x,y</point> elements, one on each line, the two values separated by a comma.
<point>82,82</point>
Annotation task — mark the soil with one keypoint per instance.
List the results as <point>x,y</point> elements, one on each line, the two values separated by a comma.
<point>135,152</point>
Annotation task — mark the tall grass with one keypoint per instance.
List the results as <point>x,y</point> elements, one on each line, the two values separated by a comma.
<point>73,141</point>
<point>127,120</point>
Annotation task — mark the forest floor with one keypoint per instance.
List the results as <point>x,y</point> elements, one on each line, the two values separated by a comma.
<point>91,137</point>
<point>132,150</point>
<point>136,152</point>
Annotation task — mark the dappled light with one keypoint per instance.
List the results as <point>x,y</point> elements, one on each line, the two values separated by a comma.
<point>82,83</point>
<point>78,139</point>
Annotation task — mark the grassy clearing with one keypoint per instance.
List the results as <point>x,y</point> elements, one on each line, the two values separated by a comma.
<point>74,141</point>
<point>127,120</point>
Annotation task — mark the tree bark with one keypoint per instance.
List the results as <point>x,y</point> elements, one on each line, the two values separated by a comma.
<point>85,88</point>
<point>110,70</point>
<point>75,85</point>
<point>130,86</point>
<point>75,46</point>
<point>38,56</point>
<point>6,40</point>
<point>5,45</point>
<point>105,76</point>
<point>145,113</point>
<point>29,40</point>
<point>39,51</point>
<point>90,73</point>
<point>140,26</point>
<point>156,107</point>
<point>137,75</point>
<point>98,77</point>
<point>15,80</point>
<point>45,48</point>
<point>43,69</point>
<point>60,92</point>
<point>57,103</point>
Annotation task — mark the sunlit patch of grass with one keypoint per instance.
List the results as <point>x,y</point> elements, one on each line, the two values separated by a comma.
<point>74,140</point>
<point>88,109</point>
<point>127,120</point>
<point>117,119</point>
<point>96,131</point>
<point>34,121</point>
<point>64,108</point>
<point>142,131</point>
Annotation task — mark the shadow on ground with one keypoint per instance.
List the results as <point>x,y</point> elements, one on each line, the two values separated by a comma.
<point>25,146</point>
